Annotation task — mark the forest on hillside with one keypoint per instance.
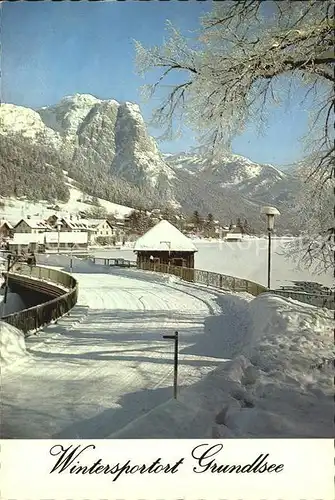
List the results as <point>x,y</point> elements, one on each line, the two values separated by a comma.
<point>34,169</point>
<point>31,169</point>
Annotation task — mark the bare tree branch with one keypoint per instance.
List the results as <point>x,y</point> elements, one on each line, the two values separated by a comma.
<point>248,56</point>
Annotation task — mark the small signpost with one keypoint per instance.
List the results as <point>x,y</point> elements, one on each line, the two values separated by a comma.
<point>175,372</point>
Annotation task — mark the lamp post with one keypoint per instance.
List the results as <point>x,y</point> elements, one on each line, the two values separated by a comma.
<point>59,225</point>
<point>71,257</point>
<point>270,213</point>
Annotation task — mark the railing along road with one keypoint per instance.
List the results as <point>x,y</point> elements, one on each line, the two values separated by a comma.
<point>40,315</point>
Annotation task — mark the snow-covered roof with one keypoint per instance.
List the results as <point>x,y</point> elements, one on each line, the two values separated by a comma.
<point>85,224</point>
<point>164,236</point>
<point>76,224</point>
<point>6,222</point>
<point>94,222</point>
<point>34,224</point>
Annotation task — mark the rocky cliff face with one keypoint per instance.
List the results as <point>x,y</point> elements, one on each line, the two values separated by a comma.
<point>110,136</point>
<point>106,142</point>
<point>137,156</point>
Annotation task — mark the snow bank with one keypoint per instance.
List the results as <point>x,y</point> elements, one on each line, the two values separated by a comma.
<point>193,414</point>
<point>288,335</point>
<point>12,344</point>
<point>169,420</point>
<point>288,383</point>
<point>280,386</point>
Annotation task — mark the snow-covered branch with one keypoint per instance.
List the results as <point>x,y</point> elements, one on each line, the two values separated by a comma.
<point>234,66</point>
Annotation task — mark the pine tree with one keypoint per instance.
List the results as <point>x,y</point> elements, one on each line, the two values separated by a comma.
<point>196,220</point>
<point>209,225</point>
<point>239,225</point>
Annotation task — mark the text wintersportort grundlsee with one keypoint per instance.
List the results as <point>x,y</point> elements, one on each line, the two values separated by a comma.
<point>204,459</point>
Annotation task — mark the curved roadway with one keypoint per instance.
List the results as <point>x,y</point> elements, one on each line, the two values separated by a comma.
<point>107,363</point>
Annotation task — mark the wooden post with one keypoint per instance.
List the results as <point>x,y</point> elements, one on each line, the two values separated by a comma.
<point>175,368</point>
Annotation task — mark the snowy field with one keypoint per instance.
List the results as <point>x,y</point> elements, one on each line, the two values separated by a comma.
<point>246,259</point>
<point>16,209</point>
<point>105,370</point>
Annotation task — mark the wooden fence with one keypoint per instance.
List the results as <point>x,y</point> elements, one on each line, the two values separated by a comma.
<point>208,278</point>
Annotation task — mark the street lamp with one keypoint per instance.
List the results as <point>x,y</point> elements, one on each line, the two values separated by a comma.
<point>59,225</point>
<point>72,245</point>
<point>270,213</point>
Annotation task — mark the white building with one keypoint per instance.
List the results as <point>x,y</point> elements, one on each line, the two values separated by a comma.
<point>49,240</point>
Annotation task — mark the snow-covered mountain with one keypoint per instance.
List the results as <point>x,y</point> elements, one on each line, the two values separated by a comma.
<point>112,133</point>
<point>230,186</point>
<point>105,143</point>
<point>25,121</point>
<point>100,135</point>
<point>230,171</point>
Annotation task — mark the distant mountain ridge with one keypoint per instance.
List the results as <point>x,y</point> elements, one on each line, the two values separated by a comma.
<point>232,187</point>
<point>106,147</point>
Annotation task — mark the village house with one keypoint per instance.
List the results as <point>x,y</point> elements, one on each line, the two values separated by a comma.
<point>102,227</point>
<point>6,229</point>
<point>32,226</point>
<point>68,224</point>
<point>96,228</point>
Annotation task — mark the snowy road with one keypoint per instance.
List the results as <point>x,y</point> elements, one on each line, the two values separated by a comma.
<point>107,363</point>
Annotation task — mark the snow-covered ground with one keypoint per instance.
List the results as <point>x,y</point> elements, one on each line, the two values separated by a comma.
<point>105,371</point>
<point>16,209</point>
<point>107,363</point>
<point>74,206</point>
<point>279,386</point>
<point>247,259</point>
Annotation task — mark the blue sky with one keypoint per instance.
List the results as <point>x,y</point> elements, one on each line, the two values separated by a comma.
<point>53,49</point>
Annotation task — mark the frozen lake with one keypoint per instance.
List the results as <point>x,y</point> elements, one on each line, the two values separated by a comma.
<point>246,259</point>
